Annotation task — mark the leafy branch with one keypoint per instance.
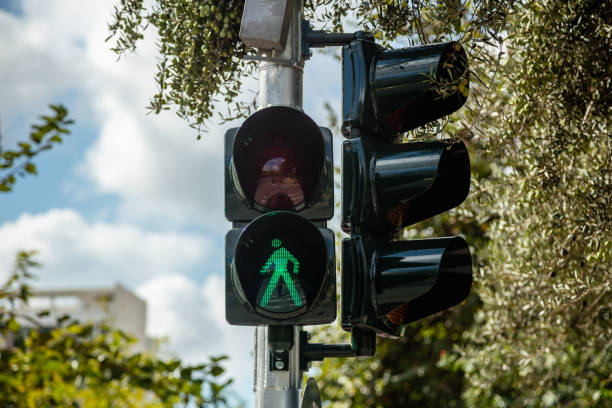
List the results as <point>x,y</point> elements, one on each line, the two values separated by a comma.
<point>18,162</point>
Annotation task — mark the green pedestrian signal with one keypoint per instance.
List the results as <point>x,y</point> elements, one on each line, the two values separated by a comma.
<point>278,262</point>
<point>281,264</point>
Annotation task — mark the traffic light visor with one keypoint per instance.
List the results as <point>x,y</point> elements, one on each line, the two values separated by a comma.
<point>278,159</point>
<point>413,86</point>
<point>414,279</point>
<point>280,264</point>
<point>415,181</point>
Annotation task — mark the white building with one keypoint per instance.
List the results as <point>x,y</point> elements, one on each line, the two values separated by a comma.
<point>117,306</point>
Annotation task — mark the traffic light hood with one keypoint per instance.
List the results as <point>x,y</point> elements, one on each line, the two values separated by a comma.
<point>386,285</point>
<point>435,275</point>
<point>415,181</point>
<point>389,186</point>
<point>393,91</point>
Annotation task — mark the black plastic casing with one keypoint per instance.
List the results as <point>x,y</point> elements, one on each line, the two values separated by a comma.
<point>387,283</point>
<point>241,212</point>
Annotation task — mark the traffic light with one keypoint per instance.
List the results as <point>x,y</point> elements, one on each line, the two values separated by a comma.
<point>280,258</point>
<point>388,283</point>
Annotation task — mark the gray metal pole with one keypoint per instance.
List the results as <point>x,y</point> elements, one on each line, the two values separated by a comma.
<point>280,83</point>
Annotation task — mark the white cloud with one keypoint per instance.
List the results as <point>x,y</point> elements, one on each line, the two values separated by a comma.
<point>152,163</point>
<point>32,71</point>
<point>77,253</point>
<point>157,167</point>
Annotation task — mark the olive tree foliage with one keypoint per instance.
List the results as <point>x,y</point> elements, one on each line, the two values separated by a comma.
<point>544,334</point>
<point>537,124</point>
<point>541,124</point>
<point>201,59</point>
<point>200,55</point>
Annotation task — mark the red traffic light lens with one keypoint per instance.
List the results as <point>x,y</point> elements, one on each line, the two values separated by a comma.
<point>278,158</point>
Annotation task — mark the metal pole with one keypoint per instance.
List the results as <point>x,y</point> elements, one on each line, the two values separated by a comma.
<point>280,83</point>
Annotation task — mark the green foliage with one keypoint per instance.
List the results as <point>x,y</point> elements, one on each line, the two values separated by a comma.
<point>537,124</point>
<point>416,371</point>
<point>18,162</point>
<point>200,54</point>
<point>73,364</point>
<point>543,334</point>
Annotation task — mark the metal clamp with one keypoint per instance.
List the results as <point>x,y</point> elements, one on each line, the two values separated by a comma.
<point>363,344</point>
<point>274,60</point>
<point>318,38</point>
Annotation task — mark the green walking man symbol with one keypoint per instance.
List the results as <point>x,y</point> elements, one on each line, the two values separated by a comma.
<point>280,258</point>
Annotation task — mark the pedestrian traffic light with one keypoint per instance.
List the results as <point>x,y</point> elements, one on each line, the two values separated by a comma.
<point>280,258</point>
<point>388,283</point>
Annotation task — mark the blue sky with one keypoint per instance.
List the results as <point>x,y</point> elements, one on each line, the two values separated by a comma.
<point>128,197</point>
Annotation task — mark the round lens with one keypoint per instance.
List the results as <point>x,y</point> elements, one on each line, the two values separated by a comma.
<point>280,264</point>
<point>279,156</point>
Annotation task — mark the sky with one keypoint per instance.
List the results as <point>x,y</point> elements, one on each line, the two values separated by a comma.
<point>129,197</point>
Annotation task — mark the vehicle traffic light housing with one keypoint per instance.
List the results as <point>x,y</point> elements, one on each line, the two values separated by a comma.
<point>280,258</point>
<point>388,283</point>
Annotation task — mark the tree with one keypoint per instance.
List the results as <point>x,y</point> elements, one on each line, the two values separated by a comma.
<point>76,364</point>
<point>538,215</point>
<point>543,334</point>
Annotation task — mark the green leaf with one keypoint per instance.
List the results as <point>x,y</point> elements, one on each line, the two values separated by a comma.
<point>216,371</point>
<point>36,137</point>
<point>13,325</point>
<point>30,168</point>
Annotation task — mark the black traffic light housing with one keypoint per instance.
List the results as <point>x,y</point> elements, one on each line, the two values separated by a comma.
<point>388,283</point>
<point>280,258</point>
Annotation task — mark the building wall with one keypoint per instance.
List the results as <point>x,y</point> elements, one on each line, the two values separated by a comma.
<point>118,306</point>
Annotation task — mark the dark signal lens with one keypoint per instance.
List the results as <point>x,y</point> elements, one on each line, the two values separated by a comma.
<point>279,158</point>
<point>275,176</point>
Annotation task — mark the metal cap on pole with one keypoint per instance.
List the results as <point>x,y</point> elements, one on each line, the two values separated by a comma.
<point>265,23</point>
